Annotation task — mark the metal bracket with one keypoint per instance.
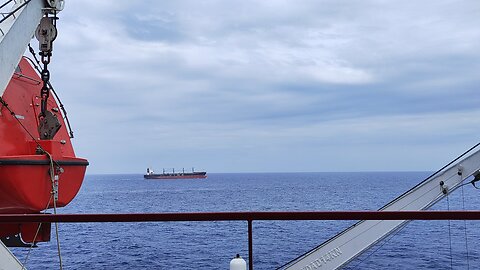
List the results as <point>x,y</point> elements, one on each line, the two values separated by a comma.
<point>58,5</point>
<point>49,126</point>
<point>15,241</point>
<point>46,33</point>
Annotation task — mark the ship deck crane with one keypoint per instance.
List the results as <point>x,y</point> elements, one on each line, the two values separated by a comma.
<point>352,242</point>
<point>17,27</point>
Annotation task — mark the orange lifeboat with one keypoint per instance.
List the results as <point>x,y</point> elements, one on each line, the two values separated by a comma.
<point>35,169</point>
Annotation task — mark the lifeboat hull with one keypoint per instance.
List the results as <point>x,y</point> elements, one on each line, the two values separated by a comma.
<point>25,159</point>
<point>26,184</point>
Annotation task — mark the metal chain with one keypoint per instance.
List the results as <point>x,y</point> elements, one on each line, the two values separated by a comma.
<point>45,75</point>
<point>46,33</point>
<point>36,63</point>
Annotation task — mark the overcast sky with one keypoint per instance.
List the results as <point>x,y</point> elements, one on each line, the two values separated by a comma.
<point>269,86</point>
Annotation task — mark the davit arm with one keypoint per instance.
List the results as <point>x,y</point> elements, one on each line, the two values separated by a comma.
<point>347,245</point>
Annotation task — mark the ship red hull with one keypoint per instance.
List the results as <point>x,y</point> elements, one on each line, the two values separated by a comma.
<point>146,176</point>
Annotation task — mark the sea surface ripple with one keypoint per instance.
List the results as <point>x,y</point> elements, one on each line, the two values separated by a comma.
<point>211,245</point>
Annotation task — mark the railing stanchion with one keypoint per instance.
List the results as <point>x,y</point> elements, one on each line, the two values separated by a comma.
<point>250,245</point>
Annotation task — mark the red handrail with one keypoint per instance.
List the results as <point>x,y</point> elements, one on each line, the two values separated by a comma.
<point>243,216</point>
<point>219,216</point>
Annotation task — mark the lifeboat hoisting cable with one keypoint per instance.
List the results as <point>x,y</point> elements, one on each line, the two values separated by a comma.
<point>46,33</point>
<point>36,63</point>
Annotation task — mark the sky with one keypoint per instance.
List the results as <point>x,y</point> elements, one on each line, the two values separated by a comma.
<point>269,86</point>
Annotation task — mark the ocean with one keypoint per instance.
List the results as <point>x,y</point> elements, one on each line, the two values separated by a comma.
<point>211,245</point>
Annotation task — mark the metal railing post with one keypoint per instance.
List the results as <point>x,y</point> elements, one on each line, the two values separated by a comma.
<point>250,245</point>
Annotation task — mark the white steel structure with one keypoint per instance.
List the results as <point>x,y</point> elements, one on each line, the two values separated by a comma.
<point>8,260</point>
<point>16,31</point>
<point>347,245</point>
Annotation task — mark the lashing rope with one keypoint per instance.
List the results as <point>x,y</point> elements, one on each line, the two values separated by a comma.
<point>35,237</point>
<point>13,114</point>
<point>465,231</point>
<point>450,233</point>
<point>54,196</point>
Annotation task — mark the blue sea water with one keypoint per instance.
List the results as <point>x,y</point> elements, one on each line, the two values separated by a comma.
<point>211,245</point>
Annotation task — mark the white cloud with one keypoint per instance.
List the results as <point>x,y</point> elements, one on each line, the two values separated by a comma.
<point>213,75</point>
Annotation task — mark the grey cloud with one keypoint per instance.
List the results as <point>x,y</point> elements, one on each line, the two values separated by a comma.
<point>241,75</point>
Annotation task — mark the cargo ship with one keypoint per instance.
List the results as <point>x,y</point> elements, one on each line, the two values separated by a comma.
<point>174,175</point>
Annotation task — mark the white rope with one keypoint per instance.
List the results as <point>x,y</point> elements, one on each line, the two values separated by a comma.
<point>465,231</point>
<point>55,198</point>
<point>34,238</point>
<point>450,234</point>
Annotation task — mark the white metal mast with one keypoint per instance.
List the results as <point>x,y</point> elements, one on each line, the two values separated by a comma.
<point>347,245</point>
